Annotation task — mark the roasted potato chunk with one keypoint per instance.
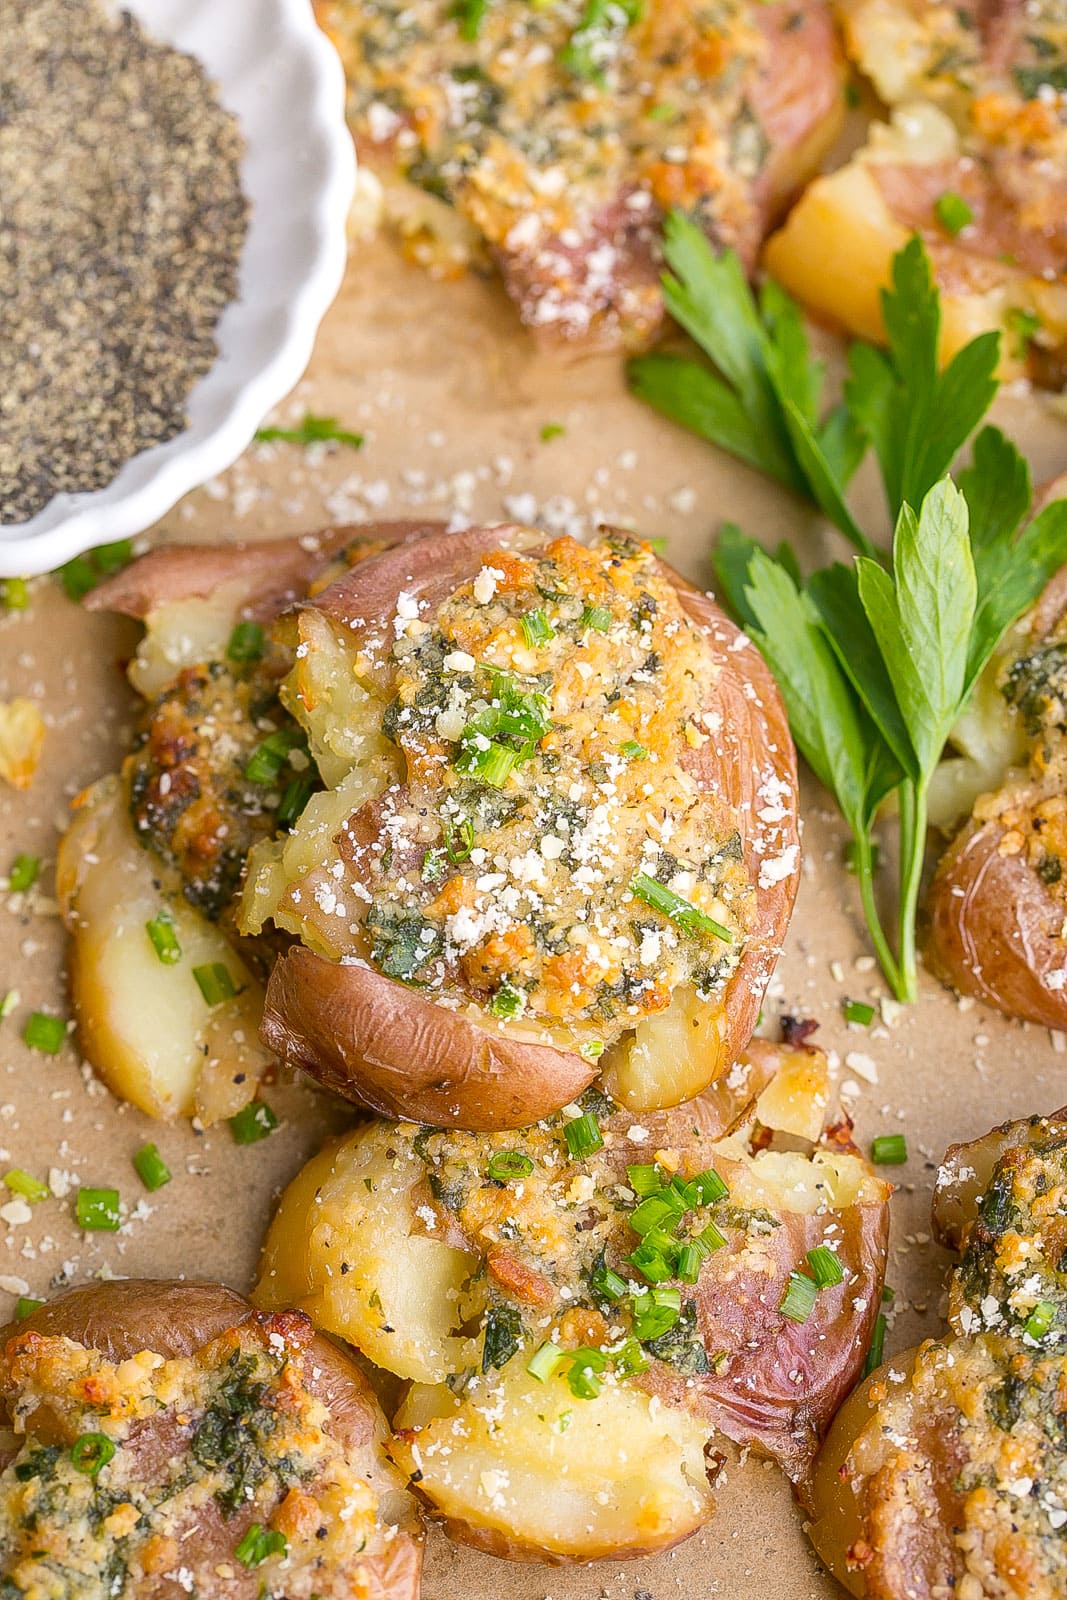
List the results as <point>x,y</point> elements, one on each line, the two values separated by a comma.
<point>164,1437</point>
<point>655,1266</point>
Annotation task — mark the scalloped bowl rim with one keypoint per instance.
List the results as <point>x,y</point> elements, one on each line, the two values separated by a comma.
<point>302,177</point>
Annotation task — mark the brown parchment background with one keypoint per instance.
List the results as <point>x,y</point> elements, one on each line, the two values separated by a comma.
<point>452,397</point>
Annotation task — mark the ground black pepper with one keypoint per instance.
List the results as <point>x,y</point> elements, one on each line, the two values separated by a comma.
<point>121,226</point>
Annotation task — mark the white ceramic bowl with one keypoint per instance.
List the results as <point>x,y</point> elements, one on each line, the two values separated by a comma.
<point>280,75</point>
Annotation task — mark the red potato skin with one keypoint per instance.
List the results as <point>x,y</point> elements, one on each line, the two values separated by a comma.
<point>176,1320</point>
<point>966,1170</point>
<point>379,1043</point>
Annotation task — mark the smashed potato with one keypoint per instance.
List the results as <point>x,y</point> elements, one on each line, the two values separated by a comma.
<point>646,1284</point>
<point>946,1472</point>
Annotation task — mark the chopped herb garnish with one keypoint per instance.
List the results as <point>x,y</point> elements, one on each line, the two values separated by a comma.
<point>98,1211</point>
<point>45,1033</point>
<point>889,1150</point>
<point>253,1122</point>
<point>707,1188</point>
<point>953,212</point>
<point>583,1136</point>
<point>1040,1319</point>
<point>25,1306</point>
<point>607,1283</point>
<point>214,982</point>
<point>644,1179</point>
<point>591,1049</point>
<point>858,1012</point>
<point>536,628</point>
<point>9,1002</point>
<point>503,1334</point>
<point>15,594</point>
<point>258,1543</point>
<point>508,1164</point>
<point>164,939</point>
<point>633,751</point>
<point>628,1359</point>
<point>544,1361</point>
<point>151,1167</point>
<point>798,1302</point>
<point>313,430</point>
<point>689,1260</point>
<point>877,1346</point>
<point>654,1212</point>
<point>598,618</point>
<point>246,642</point>
<point>551,430</point>
<point>264,765</point>
<point>459,839</point>
<point>469,14</point>
<point>679,911</point>
<point>23,873</point>
<point>26,1185</point>
<point>507,1002</point>
<point>655,1312</point>
<point>583,1378</point>
<point>91,1452</point>
<point>825,1267</point>
<point>1024,325</point>
<point>295,796</point>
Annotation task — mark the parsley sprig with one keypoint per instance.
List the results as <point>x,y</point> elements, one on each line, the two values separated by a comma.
<point>876,660</point>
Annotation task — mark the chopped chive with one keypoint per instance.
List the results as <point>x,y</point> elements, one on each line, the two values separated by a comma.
<point>582,1373</point>
<point>506,1164</point>
<point>826,1269</point>
<point>607,1283</point>
<point>658,544</point>
<point>551,430</point>
<point>644,1179</point>
<point>433,864</point>
<point>583,1136</point>
<point>709,1239</point>
<point>25,1306</point>
<point>655,1313</point>
<point>877,1346</point>
<point>651,1263</point>
<point>680,911</point>
<point>1025,325</point>
<point>214,982</point>
<point>91,1452</point>
<point>258,1543</point>
<point>889,1150</point>
<point>26,1185</point>
<point>798,1302</point>
<point>312,430</point>
<point>15,594</point>
<point>246,642</point>
<point>23,873</point>
<point>859,1012</point>
<point>628,1359</point>
<point>253,1122</point>
<point>109,558</point>
<point>591,1049</point>
<point>707,1188</point>
<point>652,1212</point>
<point>164,939</point>
<point>8,1003</point>
<point>78,577</point>
<point>264,765</point>
<point>597,617</point>
<point>888,1295</point>
<point>459,839</point>
<point>493,764</point>
<point>295,796</point>
<point>151,1167</point>
<point>469,14</point>
<point>953,212</point>
<point>689,1260</point>
<point>507,1001</point>
<point>1041,1319</point>
<point>633,751</point>
<point>536,628</point>
<point>45,1033</point>
<point>97,1210</point>
<point>660,112</point>
<point>544,1361</point>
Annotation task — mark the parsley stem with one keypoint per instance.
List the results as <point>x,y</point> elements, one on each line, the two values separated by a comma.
<point>912,851</point>
<point>865,856</point>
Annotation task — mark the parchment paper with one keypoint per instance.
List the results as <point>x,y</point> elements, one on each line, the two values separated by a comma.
<point>452,397</point>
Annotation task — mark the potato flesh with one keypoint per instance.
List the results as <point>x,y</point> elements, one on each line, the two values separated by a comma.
<point>618,1474</point>
<point>353,1206</point>
<point>669,1057</point>
<point>183,633</point>
<point>796,1098</point>
<point>144,1025</point>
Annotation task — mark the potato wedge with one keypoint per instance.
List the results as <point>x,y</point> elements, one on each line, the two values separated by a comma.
<point>512,1277</point>
<point>143,1024</point>
<point>444,1007</point>
<point>226,1443</point>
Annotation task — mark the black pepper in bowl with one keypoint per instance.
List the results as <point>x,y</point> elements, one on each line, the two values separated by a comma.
<point>121,226</point>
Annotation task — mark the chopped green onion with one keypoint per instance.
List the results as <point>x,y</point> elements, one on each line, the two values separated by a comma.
<point>709,1239</point>
<point>91,1452</point>
<point>464,833</point>
<point>551,430</point>
<point>536,628</point>
<point>889,1150</point>
<point>15,594</point>
<point>433,864</point>
<point>164,939</point>
<point>706,1188</point>
<point>680,911</point>
<point>97,1210</point>
<point>582,1379</point>
<point>246,642</point>
<point>23,874</point>
<point>312,430</point>
<point>26,1185</point>
<point>652,1212</point>
<point>798,1302</point>
<point>8,1003</point>
<point>258,1543</point>
<point>658,544</point>
<point>591,1049</point>
<point>689,1260</point>
<point>633,751</point>
<point>628,1358</point>
<point>656,1312</point>
<point>607,1283</point>
<point>597,617</point>
<point>508,1164</point>
<point>493,765</point>
<point>265,764</point>
<point>151,1167</point>
<point>859,1012</point>
<point>295,796</point>
<point>583,1136</point>
<point>953,212</point>
<point>826,1269</point>
<point>78,577</point>
<point>1025,325</point>
<point>877,1346</point>
<point>507,1001</point>
<point>109,558</point>
<point>45,1033</point>
<point>25,1306</point>
<point>888,1295</point>
<point>1041,1319</point>
<point>544,1361</point>
<point>253,1122</point>
<point>651,1263</point>
<point>214,982</point>
<point>644,1179</point>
